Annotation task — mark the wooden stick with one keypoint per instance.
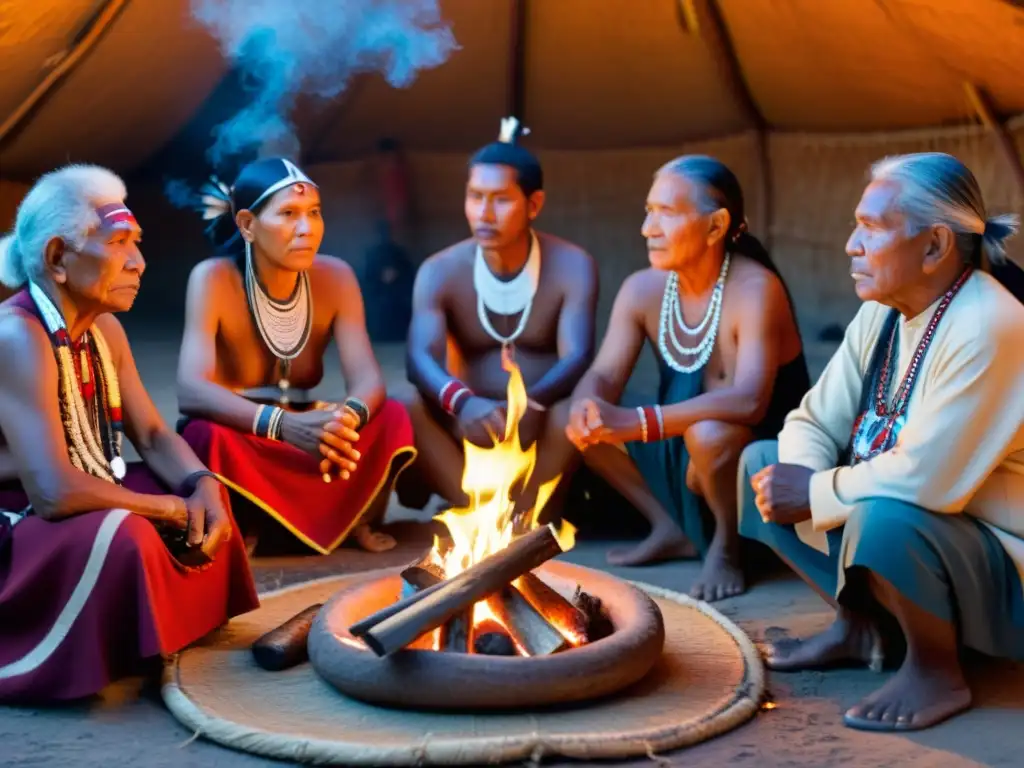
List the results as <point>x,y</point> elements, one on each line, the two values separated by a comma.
<point>525,624</point>
<point>476,583</point>
<point>457,632</point>
<point>86,39</point>
<point>363,626</point>
<point>706,15</point>
<point>516,60</point>
<point>419,577</point>
<point>1004,141</point>
<point>555,608</point>
<point>285,646</point>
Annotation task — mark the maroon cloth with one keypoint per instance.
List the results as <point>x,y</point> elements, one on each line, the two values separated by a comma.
<point>286,483</point>
<point>83,600</point>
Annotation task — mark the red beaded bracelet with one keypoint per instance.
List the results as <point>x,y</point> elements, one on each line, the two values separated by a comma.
<point>652,423</point>
<point>452,394</point>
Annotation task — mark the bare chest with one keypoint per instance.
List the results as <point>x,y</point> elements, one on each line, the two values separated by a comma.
<point>477,331</point>
<point>244,359</point>
<point>672,342</point>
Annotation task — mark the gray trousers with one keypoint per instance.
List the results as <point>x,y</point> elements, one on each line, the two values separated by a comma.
<point>951,566</point>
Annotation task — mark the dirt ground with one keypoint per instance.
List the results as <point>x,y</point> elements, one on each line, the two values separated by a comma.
<point>128,725</point>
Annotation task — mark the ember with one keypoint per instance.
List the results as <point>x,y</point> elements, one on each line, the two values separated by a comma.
<point>477,594</point>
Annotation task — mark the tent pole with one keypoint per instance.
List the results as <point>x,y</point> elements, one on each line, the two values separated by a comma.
<point>515,87</point>
<point>1004,140</point>
<point>704,18</point>
<point>79,47</point>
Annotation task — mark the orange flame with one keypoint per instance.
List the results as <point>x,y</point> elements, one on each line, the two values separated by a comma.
<point>490,476</point>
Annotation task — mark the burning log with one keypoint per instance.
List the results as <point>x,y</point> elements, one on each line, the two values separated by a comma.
<point>490,639</point>
<point>363,626</point>
<point>527,626</point>
<point>598,624</point>
<point>456,632</point>
<point>557,609</point>
<point>419,577</point>
<point>443,601</point>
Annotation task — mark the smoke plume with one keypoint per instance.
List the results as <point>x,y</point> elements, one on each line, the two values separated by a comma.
<point>284,48</point>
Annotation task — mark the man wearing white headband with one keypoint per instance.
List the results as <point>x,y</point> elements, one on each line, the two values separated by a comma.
<point>896,489</point>
<point>508,290</point>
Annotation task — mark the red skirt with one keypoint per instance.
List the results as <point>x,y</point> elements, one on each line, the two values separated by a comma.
<point>286,483</point>
<point>83,600</point>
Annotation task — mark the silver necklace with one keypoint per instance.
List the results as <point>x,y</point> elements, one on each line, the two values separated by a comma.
<point>671,315</point>
<point>283,325</point>
<point>506,297</point>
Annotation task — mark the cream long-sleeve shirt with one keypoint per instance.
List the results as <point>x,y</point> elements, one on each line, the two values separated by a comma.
<point>962,446</point>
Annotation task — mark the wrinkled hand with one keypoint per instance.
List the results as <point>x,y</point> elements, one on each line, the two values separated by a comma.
<point>593,421</point>
<point>176,516</point>
<point>206,509</point>
<point>482,421</point>
<point>783,493</point>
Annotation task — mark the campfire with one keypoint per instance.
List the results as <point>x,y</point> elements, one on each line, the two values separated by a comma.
<point>477,592</point>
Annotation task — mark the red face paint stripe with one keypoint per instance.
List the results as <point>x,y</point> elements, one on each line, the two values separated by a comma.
<point>113,214</point>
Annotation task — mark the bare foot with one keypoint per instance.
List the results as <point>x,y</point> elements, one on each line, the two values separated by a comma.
<point>849,639</point>
<point>916,697</point>
<point>721,577</point>
<point>668,543</point>
<point>373,541</point>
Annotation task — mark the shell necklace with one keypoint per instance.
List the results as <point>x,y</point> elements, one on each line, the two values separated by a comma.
<point>672,315</point>
<point>283,325</point>
<point>93,441</point>
<point>506,297</point>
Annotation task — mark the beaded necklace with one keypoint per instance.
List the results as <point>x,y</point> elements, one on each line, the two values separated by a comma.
<point>93,435</point>
<point>506,298</point>
<point>672,315</point>
<point>878,426</point>
<point>283,325</point>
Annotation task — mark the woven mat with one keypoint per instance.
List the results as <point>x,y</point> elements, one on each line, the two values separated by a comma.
<point>709,680</point>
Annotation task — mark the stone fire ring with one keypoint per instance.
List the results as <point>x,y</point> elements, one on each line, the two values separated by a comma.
<point>708,680</point>
<point>424,679</point>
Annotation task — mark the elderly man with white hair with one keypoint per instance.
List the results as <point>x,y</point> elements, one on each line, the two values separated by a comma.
<point>102,565</point>
<point>896,489</point>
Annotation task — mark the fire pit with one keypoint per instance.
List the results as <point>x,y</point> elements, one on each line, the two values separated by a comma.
<point>470,651</point>
<point>485,620</point>
<point>424,678</point>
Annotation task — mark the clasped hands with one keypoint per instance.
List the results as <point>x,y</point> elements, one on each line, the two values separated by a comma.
<point>326,432</point>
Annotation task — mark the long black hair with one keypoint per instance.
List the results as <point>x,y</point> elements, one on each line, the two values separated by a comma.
<point>255,185</point>
<point>719,188</point>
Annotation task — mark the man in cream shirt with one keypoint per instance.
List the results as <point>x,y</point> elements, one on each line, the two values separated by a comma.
<point>896,489</point>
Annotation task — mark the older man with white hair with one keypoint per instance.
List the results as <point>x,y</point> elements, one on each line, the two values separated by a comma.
<point>102,565</point>
<point>896,489</point>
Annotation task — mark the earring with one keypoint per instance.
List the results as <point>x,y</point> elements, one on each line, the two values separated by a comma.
<point>248,251</point>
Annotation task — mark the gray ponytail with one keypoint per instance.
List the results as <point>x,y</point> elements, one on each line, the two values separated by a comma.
<point>998,229</point>
<point>12,263</point>
<point>936,188</point>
